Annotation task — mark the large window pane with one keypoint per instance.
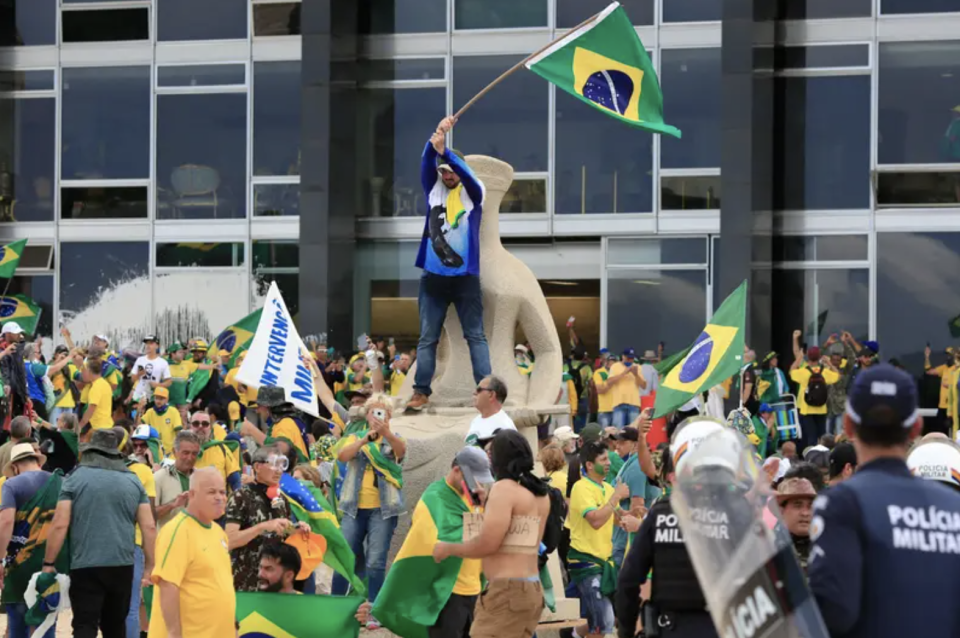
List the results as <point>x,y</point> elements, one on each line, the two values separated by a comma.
<point>27,147</point>
<point>602,166</point>
<point>275,200</point>
<point>201,156</point>
<point>509,123</point>
<point>793,248</point>
<point>278,261</point>
<point>821,9</point>
<point>207,20</point>
<point>919,115</point>
<point>40,289</point>
<point>499,14</point>
<point>571,13</point>
<point>403,16</point>
<point>687,76</point>
<point>393,128</point>
<point>918,294</point>
<point>918,188</point>
<point>697,192</point>
<point>276,19</point>
<point>104,202</point>
<point>107,25</point>
<point>823,156</point>
<point>276,118</point>
<point>106,123</point>
<point>105,289</point>
<point>199,254</point>
<point>691,10</point>
<point>680,297</point>
<point>28,22</point>
<point>919,6</point>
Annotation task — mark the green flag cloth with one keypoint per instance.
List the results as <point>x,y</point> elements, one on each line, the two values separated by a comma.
<point>417,588</point>
<point>21,309</point>
<point>954,326</point>
<point>269,615</point>
<point>715,356</point>
<point>234,339</point>
<point>605,64</point>
<point>10,258</point>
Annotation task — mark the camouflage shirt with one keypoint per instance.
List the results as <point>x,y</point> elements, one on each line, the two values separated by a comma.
<point>837,392</point>
<point>247,507</point>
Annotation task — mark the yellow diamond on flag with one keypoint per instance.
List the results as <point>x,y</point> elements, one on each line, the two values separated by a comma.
<point>256,626</point>
<point>707,352</point>
<point>609,84</point>
<point>232,337</point>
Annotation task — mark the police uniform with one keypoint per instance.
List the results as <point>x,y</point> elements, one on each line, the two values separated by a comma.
<point>886,554</point>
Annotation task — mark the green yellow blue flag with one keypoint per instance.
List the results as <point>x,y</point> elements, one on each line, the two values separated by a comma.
<point>10,258</point>
<point>21,309</point>
<point>604,64</point>
<point>269,615</point>
<point>715,356</point>
<point>234,339</point>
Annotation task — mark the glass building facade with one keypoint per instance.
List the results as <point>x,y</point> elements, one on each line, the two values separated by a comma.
<point>168,158</point>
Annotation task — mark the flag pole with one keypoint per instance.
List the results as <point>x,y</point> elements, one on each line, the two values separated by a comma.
<point>7,287</point>
<point>519,65</point>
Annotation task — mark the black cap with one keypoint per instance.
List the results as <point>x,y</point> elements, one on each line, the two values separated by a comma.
<point>840,455</point>
<point>629,434</point>
<point>152,338</point>
<point>883,385</point>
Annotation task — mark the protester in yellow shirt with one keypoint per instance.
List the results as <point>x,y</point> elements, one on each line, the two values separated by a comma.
<point>625,383</point>
<point>99,412</point>
<point>813,376</point>
<point>180,371</point>
<point>601,381</point>
<point>63,385</point>
<point>945,372</point>
<point>398,375</point>
<point>272,407</point>
<point>193,593</point>
<point>215,453</point>
<point>161,417</point>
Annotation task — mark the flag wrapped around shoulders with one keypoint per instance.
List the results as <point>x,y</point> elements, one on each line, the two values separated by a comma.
<point>263,615</point>
<point>10,258</point>
<point>715,356</point>
<point>604,64</point>
<point>22,309</point>
<point>417,588</point>
<point>311,507</point>
<point>234,339</point>
<point>386,469</point>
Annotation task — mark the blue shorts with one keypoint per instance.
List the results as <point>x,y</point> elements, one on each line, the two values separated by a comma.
<point>596,607</point>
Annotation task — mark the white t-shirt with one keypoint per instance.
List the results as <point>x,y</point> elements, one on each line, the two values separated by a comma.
<point>156,370</point>
<point>481,428</point>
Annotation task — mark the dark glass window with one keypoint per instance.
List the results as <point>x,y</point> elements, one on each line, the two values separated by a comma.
<point>570,13</point>
<point>525,196</point>
<point>822,152</point>
<point>27,80</point>
<point>403,16</point>
<point>700,192</point>
<point>276,200</point>
<point>276,118</point>
<point>822,56</point>
<point>687,77</point>
<point>201,156</point>
<point>919,107</point>
<point>919,6</point>
<point>278,261</point>
<point>509,123</point>
<point>206,20</point>
<point>202,75</point>
<point>679,295</point>
<point>276,19</point>
<point>99,202</point>
<point>277,253</point>
<point>819,248</point>
<point>691,10</point>
<point>393,128</point>
<point>102,296</point>
<point>28,22</point>
<point>199,254</point>
<point>27,148</point>
<point>602,166</point>
<point>107,25</point>
<point>822,9</point>
<point>499,14</point>
<point>106,123</point>
<point>926,188</point>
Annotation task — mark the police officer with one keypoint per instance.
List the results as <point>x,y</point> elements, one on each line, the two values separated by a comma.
<point>886,544</point>
<point>677,607</point>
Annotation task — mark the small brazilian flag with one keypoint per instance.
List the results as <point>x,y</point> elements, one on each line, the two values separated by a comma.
<point>604,64</point>
<point>234,339</point>
<point>21,309</point>
<point>269,615</point>
<point>715,356</point>
<point>10,258</point>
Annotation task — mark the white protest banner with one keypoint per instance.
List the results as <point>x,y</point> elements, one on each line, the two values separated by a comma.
<point>274,356</point>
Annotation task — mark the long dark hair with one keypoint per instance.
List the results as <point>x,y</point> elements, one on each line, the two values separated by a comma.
<point>512,458</point>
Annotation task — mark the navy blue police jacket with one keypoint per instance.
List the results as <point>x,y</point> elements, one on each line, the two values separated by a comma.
<point>886,555</point>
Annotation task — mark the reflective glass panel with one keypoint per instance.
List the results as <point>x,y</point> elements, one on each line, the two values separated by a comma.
<point>525,196</point>
<point>403,69</point>
<point>276,200</point>
<point>688,76</point>
<point>570,13</point>
<point>403,16</point>
<point>277,261</point>
<point>27,80</point>
<point>276,19</point>
<point>207,20</point>
<point>822,56</point>
<point>823,154</point>
<point>276,118</point>
<point>499,14</point>
<point>393,128</point>
<point>200,254</point>
<point>926,188</point>
<point>201,156</point>
<point>28,22</point>
<point>106,25</point>
<point>687,250</point>
<point>919,108</point>
<point>99,202</point>
<point>106,123</point>
<point>691,10</point>
<point>818,248</point>
<point>919,6</point>
<point>679,295</point>
<point>821,9</point>
<point>701,192</point>
<point>27,148</point>
<point>509,123</point>
<point>602,166</point>
<point>202,75</point>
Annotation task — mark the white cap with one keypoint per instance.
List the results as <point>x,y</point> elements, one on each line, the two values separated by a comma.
<point>565,434</point>
<point>689,436</point>
<point>11,327</point>
<point>520,348</point>
<point>936,460</point>
<point>102,338</point>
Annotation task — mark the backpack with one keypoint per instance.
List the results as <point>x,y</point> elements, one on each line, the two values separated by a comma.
<point>553,531</point>
<point>816,392</point>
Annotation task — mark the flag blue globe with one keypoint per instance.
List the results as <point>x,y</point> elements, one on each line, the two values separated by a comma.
<point>609,89</point>
<point>698,360</point>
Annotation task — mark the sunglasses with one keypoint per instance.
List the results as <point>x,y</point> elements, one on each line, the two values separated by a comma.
<point>200,424</point>
<point>482,389</point>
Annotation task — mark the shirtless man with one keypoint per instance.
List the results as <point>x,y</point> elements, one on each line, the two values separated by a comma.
<point>511,605</point>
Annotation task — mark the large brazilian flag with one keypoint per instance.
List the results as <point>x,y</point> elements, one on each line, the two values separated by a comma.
<point>10,258</point>
<point>604,64</point>
<point>234,339</point>
<point>268,615</point>
<point>714,357</point>
<point>22,309</point>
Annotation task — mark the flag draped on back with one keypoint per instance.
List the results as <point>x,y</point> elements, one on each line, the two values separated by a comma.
<point>310,506</point>
<point>22,309</point>
<point>10,258</point>
<point>234,339</point>
<point>386,469</point>
<point>417,588</point>
<point>268,615</point>
<point>715,356</point>
<point>604,64</point>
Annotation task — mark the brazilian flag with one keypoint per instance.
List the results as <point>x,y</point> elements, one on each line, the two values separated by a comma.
<point>715,356</point>
<point>21,309</point>
<point>10,258</point>
<point>234,339</point>
<point>269,615</point>
<point>604,64</point>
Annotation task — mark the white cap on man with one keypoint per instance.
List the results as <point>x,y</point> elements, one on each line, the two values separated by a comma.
<point>11,328</point>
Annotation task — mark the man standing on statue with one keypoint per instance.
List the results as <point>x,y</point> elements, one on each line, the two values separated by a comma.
<point>450,258</point>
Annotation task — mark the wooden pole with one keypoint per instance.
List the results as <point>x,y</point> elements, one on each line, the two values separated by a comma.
<point>517,66</point>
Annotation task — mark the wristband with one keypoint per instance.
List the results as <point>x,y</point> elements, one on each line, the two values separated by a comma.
<point>48,564</point>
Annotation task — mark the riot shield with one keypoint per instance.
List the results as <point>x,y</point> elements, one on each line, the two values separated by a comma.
<point>747,568</point>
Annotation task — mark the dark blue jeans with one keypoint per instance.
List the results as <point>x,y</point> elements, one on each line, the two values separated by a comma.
<point>436,295</point>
